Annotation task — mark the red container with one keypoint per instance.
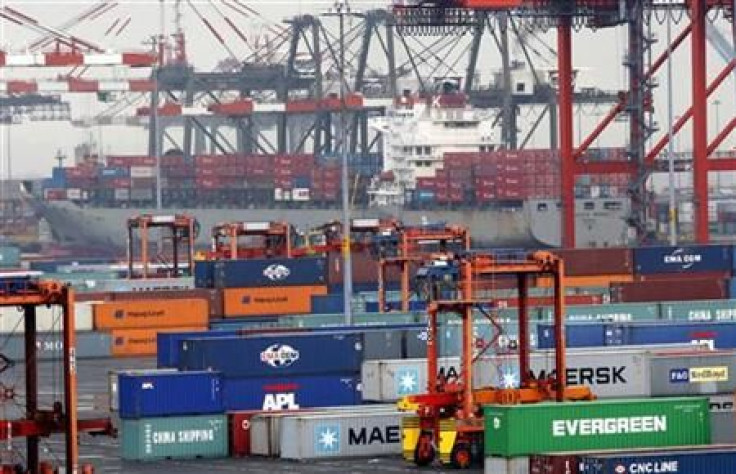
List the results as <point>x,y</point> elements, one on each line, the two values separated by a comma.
<point>208,182</point>
<point>239,425</point>
<point>554,464</point>
<point>722,275</point>
<point>172,160</point>
<point>426,183</point>
<point>593,262</point>
<point>689,288</point>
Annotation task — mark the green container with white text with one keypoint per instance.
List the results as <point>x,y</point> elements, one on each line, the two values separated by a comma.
<point>523,430</point>
<point>182,437</point>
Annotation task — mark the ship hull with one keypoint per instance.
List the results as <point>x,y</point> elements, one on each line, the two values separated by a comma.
<point>535,224</point>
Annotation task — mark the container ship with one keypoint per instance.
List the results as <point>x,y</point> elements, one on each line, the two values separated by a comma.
<point>439,162</point>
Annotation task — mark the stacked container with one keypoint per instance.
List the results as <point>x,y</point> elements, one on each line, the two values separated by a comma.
<point>172,415</point>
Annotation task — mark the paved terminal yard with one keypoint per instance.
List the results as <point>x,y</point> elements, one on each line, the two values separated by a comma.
<point>103,452</point>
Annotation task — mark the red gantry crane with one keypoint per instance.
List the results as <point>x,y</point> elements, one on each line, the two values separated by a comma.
<point>449,421</point>
<point>182,230</point>
<point>235,240</point>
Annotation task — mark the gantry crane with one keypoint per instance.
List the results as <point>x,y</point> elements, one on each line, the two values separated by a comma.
<point>449,414</point>
<point>27,291</point>
<point>364,235</point>
<point>183,231</point>
<point>416,244</point>
<point>262,240</point>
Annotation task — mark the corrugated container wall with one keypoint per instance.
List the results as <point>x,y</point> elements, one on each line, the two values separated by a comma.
<point>594,262</point>
<point>151,314</point>
<point>344,435</point>
<point>175,438</point>
<point>275,355</point>
<point>238,302</point>
<point>521,430</point>
<point>667,290</point>
<point>49,346</point>
<point>291,393</point>
<point>259,273</point>
<point>112,383</point>
<point>140,342</point>
<point>165,393</point>
<point>691,259</point>
<point>691,461</point>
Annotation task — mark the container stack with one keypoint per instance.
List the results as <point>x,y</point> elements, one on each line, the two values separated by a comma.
<point>133,325</point>
<point>172,415</point>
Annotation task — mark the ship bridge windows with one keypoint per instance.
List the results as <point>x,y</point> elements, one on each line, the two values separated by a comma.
<point>612,205</point>
<point>589,205</point>
<point>542,207</point>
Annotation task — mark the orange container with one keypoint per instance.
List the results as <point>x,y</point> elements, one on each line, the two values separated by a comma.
<point>151,314</point>
<point>141,342</point>
<point>587,281</point>
<point>270,301</point>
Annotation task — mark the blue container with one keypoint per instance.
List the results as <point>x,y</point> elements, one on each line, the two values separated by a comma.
<point>236,324</point>
<point>204,274</point>
<point>302,181</point>
<point>696,258</point>
<point>291,393</point>
<point>424,195</point>
<point>58,173</point>
<point>270,272</point>
<point>694,460</point>
<point>720,335</point>
<point>732,289</point>
<point>169,394</point>
<point>112,173</point>
<point>168,345</point>
<point>328,304</point>
<point>275,355</point>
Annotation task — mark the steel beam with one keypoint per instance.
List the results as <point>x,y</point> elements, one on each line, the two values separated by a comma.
<point>32,442</point>
<point>565,101</point>
<point>699,43</point>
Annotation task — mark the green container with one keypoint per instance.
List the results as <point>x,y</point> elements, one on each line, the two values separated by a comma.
<point>359,319</point>
<point>522,430</point>
<point>608,312</point>
<point>9,257</point>
<point>714,310</point>
<point>175,438</point>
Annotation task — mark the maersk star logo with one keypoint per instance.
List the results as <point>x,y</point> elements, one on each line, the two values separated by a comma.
<point>327,439</point>
<point>407,381</point>
<point>509,379</point>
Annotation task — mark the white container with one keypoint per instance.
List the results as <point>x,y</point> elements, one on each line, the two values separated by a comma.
<point>121,194</point>
<point>341,435</point>
<point>74,194</point>
<point>494,465</point>
<point>278,194</point>
<point>48,318</point>
<point>300,194</point>
<point>623,372</point>
<point>142,172</point>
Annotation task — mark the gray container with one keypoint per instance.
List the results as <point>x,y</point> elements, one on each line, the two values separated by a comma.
<point>722,419</point>
<point>265,428</point>
<point>700,374</point>
<point>610,374</point>
<point>90,345</point>
<point>341,435</point>
<point>494,465</point>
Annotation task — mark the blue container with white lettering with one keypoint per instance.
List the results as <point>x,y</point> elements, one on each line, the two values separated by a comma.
<point>275,355</point>
<point>167,344</point>
<point>166,393</point>
<point>204,274</point>
<point>688,259</point>
<point>291,393</point>
<point>719,335</point>
<point>270,272</point>
<point>694,460</point>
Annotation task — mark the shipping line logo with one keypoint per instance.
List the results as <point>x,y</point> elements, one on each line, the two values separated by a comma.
<point>276,272</point>
<point>407,381</point>
<point>279,355</point>
<point>648,467</point>
<point>685,260</point>
<point>609,426</point>
<point>327,439</point>
<point>699,375</point>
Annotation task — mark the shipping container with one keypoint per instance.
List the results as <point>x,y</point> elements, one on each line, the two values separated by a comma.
<point>517,465</point>
<point>343,435</point>
<point>595,262</point>
<point>693,460</point>
<point>667,290</point>
<point>213,297</point>
<point>271,301</point>
<point>719,335</point>
<point>702,373</point>
<point>112,383</point>
<point>48,318</point>
<point>174,438</point>
<point>262,273</point>
<point>274,355</point>
<point>49,346</point>
<point>269,393</point>
<point>151,314</point>
<point>141,342</point>
<point>722,419</point>
<point>606,312</point>
<point>164,393</point>
<point>625,372</point>
<point>9,257</point>
<point>560,463</point>
<point>689,259</point>
<point>715,310</point>
<point>521,430</point>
